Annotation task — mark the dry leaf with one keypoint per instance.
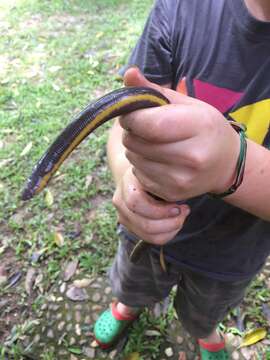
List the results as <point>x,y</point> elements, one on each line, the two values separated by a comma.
<point>94,344</point>
<point>253,337</point>
<point>99,34</point>
<point>70,270</point>
<point>59,239</point>
<point>82,283</point>
<point>39,283</point>
<point>76,294</point>
<point>54,69</point>
<point>29,280</point>
<point>49,198</point>
<point>133,356</point>
<point>4,162</point>
<point>152,333</point>
<point>7,131</point>
<point>56,87</point>
<point>31,73</point>
<point>26,149</point>
<point>88,181</point>
<point>4,81</point>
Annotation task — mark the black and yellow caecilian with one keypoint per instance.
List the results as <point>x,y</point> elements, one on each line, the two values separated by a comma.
<point>116,103</point>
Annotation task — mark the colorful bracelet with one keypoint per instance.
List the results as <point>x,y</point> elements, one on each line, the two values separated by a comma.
<point>241,162</point>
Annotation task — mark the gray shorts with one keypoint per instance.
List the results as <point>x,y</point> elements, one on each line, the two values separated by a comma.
<point>201,302</point>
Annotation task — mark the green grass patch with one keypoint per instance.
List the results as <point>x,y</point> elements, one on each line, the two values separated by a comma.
<point>56,57</point>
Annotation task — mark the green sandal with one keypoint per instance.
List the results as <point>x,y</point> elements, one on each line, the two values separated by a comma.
<point>110,326</point>
<point>213,351</point>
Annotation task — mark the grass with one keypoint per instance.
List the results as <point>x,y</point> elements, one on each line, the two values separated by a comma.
<point>55,57</point>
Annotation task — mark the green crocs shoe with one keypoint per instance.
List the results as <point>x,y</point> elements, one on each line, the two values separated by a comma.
<point>213,351</point>
<point>110,326</point>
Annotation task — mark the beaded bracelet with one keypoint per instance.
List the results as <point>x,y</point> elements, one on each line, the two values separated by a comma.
<point>241,162</point>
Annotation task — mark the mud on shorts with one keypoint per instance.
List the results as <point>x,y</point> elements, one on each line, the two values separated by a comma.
<point>200,302</point>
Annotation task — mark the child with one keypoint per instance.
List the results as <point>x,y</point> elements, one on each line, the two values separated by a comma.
<point>217,53</point>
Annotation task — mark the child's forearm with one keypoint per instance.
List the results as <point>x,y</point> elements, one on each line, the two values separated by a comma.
<point>117,160</point>
<point>254,193</point>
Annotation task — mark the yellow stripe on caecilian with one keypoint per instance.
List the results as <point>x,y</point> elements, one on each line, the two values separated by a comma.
<point>130,99</point>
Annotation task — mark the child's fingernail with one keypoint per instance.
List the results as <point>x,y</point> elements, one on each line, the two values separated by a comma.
<point>175,211</point>
<point>186,210</point>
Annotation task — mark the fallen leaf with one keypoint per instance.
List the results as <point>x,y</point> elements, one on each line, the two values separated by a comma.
<point>99,34</point>
<point>49,198</point>
<point>39,282</point>
<point>88,181</point>
<point>82,283</point>
<point>253,337</point>
<point>76,294</point>
<point>7,131</point>
<point>29,280</point>
<point>59,239</point>
<point>4,81</point>
<point>4,162</point>
<point>70,270</point>
<point>31,73</point>
<point>94,344</point>
<point>56,87</point>
<point>133,356</point>
<point>75,350</point>
<point>152,333</point>
<point>54,69</point>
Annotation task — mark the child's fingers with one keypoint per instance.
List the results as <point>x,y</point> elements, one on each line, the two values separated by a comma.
<point>133,77</point>
<point>153,231</point>
<point>143,204</point>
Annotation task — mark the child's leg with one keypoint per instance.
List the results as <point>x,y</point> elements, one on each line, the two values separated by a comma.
<point>201,303</point>
<point>135,286</point>
<point>143,283</point>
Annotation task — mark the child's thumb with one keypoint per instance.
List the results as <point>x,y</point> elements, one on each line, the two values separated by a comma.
<point>134,77</point>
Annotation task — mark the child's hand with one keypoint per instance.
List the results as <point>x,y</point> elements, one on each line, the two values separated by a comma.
<point>180,150</point>
<point>154,221</point>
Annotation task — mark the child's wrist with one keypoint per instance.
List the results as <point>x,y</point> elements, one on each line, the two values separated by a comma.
<point>240,165</point>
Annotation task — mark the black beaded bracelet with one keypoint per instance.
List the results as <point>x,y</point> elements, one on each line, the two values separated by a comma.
<point>241,162</point>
